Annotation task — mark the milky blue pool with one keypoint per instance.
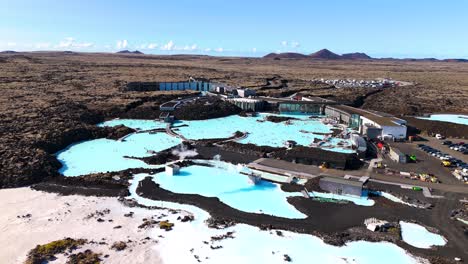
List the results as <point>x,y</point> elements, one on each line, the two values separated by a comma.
<point>418,236</point>
<point>252,244</point>
<point>102,155</point>
<point>231,187</point>
<point>261,133</point>
<point>458,119</point>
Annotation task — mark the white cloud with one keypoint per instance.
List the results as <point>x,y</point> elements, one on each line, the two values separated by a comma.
<point>66,43</point>
<point>11,44</point>
<point>152,46</point>
<point>122,44</point>
<point>208,50</point>
<point>168,46</point>
<point>71,43</point>
<point>194,47</point>
<point>219,50</point>
<point>284,43</point>
<point>295,44</point>
<point>83,45</point>
<point>254,50</point>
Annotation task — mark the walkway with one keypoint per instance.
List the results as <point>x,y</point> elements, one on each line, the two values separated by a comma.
<point>170,132</point>
<point>245,135</point>
<point>308,171</point>
<point>126,136</point>
<point>284,168</point>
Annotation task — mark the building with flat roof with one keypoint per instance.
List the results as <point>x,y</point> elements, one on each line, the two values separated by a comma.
<point>341,186</point>
<point>396,155</point>
<point>172,169</point>
<point>248,103</point>
<point>246,92</point>
<point>386,126</point>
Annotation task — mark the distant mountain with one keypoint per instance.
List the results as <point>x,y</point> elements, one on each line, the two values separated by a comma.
<point>286,55</point>
<point>428,59</point>
<point>8,52</point>
<point>130,52</point>
<point>324,54</point>
<point>356,56</point>
<point>455,60</point>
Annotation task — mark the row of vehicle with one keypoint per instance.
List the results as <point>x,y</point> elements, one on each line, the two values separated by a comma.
<point>446,159</point>
<point>460,146</point>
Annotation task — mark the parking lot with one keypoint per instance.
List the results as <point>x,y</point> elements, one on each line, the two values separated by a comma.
<point>437,144</point>
<point>425,163</point>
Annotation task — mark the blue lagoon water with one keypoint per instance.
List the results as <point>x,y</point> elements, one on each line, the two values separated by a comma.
<point>232,188</point>
<point>252,244</point>
<point>458,119</point>
<point>102,155</point>
<point>225,181</point>
<point>261,133</point>
<point>418,236</point>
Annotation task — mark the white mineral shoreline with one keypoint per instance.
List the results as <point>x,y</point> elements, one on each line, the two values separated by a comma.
<point>187,243</point>
<point>55,217</point>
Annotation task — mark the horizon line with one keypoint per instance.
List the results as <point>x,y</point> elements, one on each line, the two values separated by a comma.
<point>130,51</point>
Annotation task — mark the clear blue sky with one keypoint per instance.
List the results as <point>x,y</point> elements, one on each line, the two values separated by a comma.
<point>381,28</point>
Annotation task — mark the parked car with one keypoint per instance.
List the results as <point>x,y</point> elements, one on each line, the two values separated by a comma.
<point>439,136</point>
<point>447,142</point>
<point>446,163</point>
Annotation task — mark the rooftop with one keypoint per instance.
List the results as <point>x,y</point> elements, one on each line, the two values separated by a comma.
<point>343,181</point>
<point>384,119</point>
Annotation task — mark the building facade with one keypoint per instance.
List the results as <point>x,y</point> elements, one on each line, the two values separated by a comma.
<point>341,186</point>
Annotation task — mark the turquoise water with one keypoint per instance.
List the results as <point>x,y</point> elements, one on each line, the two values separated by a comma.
<point>363,200</point>
<point>260,133</point>
<point>232,188</point>
<point>102,155</point>
<point>252,245</point>
<point>418,236</point>
<point>458,119</point>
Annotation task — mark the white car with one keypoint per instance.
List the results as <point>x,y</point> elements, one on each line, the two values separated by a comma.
<point>439,136</point>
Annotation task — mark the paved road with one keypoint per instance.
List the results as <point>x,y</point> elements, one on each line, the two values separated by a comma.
<point>457,188</point>
<point>426,163</point>
<point>309,171</point>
